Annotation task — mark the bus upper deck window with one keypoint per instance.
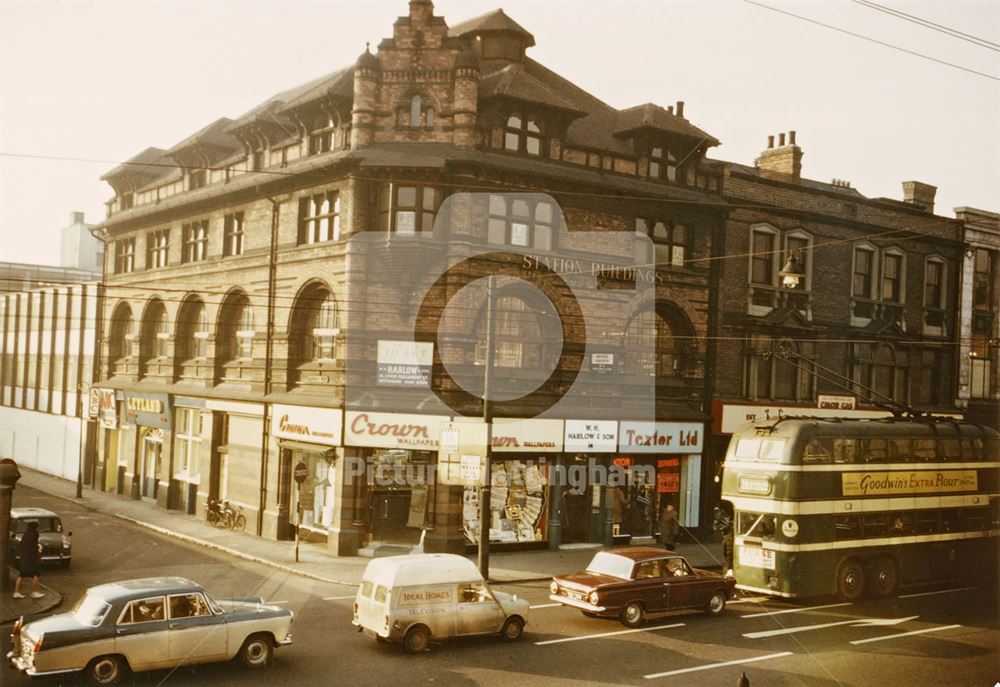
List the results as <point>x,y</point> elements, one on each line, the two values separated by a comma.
<point>900,450</point>
<point>818,451</point>
<point>844,450</point>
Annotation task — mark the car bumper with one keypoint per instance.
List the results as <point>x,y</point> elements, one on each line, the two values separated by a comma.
<point>19,664</point>
<point>286,641</point>
<point>582,605</point>
<point>52,558</point>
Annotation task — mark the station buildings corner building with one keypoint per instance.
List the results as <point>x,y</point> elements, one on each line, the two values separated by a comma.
<point>240,334</point>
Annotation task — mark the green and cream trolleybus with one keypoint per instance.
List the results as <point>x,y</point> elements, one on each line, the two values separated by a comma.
<point>844,506</point>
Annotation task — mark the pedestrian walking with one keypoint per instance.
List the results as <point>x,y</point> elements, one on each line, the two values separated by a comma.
<point>28,558</point>
<point>669,527</point>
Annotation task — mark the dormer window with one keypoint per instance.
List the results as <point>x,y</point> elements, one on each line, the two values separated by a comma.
<point>197,179</point>
<point>523,135</point>
<point>323,136</point>
<point>662,164</point>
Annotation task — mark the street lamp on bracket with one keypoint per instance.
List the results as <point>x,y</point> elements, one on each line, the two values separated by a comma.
<point>791,274</point>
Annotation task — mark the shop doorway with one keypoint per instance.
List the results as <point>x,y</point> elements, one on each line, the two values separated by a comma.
<point>152,458</point>
<point>111,441</point>
<point>576,507</point>
<point>390,517</point>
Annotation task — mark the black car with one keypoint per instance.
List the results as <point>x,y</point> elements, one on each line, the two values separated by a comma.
<point>57,548</point>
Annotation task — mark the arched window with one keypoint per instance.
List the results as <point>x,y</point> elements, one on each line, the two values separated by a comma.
<point>154,338</point>
<point>521,333</point>
<point>192,331</point>
<point>780,369</point>
<point>879,374</point>
<point>121,342</point>
<point>314,326</point>
<point>651,346</point>
<point>234,333</point>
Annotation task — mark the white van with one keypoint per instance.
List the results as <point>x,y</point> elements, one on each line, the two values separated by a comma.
<point>437,595</point>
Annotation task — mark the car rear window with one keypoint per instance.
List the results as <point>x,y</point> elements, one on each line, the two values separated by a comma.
<point>605,563</point>
<point>90,610</point>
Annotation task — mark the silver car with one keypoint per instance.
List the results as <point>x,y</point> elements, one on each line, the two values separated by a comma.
<point>148,624</point>
<point>56,546</point>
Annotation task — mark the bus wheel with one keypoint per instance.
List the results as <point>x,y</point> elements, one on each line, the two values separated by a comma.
<point>850,580</point>
<point>883,577</point>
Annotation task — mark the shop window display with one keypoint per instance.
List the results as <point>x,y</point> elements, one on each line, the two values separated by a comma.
<point>517,503</point>
<point>316,494</point>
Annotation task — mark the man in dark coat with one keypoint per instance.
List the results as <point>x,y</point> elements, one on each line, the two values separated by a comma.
<point>670,527</point>
<point>28,558</point>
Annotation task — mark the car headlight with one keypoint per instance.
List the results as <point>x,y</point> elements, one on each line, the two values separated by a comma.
<point>593,598</point>
<point>65,542</point>
<point>554,587</point>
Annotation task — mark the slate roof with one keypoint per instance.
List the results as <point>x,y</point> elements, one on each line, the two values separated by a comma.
<point>339,84</point>
<point>807,183</point>
<point>215,135</point>
<point>650,116</point>
<point>489,22</point>
<point>146,162</point>
<point>513,81</point>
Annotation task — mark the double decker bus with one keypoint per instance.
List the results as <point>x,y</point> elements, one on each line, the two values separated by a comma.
<point>843,506</point>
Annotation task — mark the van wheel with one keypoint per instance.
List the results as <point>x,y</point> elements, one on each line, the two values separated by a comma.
<point>417,639</point>
<point>633,614</point>
<point>105,670</point>
<point>883,577</point>
<point>850,580</point>
<point>256,651</point>
<point>717,603</point>
<point>513,629</point>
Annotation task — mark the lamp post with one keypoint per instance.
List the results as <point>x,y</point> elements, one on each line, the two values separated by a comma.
<point>82,389</point>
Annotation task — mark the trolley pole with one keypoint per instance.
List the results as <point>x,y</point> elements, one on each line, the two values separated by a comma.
<point>485,491</point>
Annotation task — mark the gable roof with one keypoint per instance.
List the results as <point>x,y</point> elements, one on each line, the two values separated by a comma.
<point>215,136</point>
<point>143,163</point>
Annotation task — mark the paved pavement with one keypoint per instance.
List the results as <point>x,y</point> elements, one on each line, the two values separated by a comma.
<point>314,561</point>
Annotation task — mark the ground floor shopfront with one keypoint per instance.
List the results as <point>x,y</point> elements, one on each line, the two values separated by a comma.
<point>358,479</point>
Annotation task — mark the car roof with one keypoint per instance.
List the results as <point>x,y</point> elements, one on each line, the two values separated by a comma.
<point>641,553</point>
<point>20,513</point>
<point>146,586</point>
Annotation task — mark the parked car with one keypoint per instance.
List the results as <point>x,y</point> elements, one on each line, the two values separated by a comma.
<point>56,545</point>
<point>629,583</point>
<point>148,624</point>
<point>414,599</point>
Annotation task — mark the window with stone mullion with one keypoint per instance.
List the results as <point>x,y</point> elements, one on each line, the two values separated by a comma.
<point>319,218</point>
<point>523,135</point>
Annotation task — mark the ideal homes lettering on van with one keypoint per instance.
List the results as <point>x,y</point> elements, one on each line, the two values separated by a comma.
<point>419,597</point>
<point>908,482</point>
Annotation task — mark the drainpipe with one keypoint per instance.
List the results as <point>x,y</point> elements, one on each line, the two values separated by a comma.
<point>268,361</point>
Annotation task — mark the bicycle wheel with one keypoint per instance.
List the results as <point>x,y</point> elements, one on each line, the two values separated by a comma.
<point>240,524</point>
<point>213,518</point>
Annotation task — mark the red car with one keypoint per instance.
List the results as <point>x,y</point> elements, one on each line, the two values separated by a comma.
<point>629,583</point>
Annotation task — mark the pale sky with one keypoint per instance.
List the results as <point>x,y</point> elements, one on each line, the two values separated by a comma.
<point>87,84</point>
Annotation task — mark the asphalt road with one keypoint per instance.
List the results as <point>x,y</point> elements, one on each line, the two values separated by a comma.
<point>924,637</point>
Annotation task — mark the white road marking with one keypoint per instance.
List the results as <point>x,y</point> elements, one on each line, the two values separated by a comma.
<point>867,622</point>
<point>905,634</point>
<point>793,610</point>
<point>275,603</point>
<point>544,606</point>
<point>750,600</point>
<point>608,634</point>
<point>338,598</point>
<point>943,591</point>
<point>718,665</point>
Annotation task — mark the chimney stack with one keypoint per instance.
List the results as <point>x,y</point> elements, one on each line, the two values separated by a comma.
<point>919,194</point>
<point>680,109</point>
<point>783,162</point>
